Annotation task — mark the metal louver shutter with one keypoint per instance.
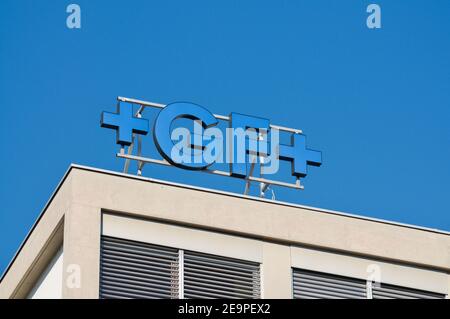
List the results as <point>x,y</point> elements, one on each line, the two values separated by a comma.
<point>316,285</point>
<point>395,292</point>
<point>130,269</point>
<point>208,276</point>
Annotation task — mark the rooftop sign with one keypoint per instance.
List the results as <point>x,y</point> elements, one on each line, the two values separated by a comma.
<point>246,142</point>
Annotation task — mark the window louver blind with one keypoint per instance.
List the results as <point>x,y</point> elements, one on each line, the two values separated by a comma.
<point>209,276</point>
<point>394,292</point>
<point>132,269</point>
<point>315,285</point>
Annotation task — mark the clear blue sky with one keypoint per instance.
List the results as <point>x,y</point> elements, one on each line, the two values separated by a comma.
<point>376,102</point>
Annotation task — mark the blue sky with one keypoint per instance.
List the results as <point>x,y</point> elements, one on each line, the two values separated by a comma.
<point>376,102</point>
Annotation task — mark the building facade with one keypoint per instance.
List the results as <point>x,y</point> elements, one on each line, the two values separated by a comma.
<point>104,234</point>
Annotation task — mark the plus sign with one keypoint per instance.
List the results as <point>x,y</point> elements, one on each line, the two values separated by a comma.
<point>124,123</point>
<point>300,156</point>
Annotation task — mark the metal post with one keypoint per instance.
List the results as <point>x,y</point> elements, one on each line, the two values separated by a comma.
<point>129,152</point>
<point>181,274</point>
<point>369,293</point>
<point>139,150</point>
<point>250,174</point>
<point>140,164</point>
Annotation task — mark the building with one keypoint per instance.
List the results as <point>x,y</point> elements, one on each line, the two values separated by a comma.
<point>106,234</point>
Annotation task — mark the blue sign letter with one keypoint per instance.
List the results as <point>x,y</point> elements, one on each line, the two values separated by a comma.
<point>299,155</point>
<point>125,124</point>
<point>245,129</point>
<point>161,129</point>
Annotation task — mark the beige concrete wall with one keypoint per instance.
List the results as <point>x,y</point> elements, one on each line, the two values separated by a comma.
<point>40,247</point>
<point>182,237</point>
<point>277,260</point>
<point>254,218</point>
<point>276,279</point>
<point>82,252</point>
<point>270,229</point>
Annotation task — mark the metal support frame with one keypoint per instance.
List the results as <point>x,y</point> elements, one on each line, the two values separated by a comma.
<point>263,187</point>
<point>264,183</point>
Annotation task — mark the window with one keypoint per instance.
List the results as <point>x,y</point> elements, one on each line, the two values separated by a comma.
<point>316,285</point>
<point>385,291</point>
<point>207,276</point>
<point>130,269</point>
